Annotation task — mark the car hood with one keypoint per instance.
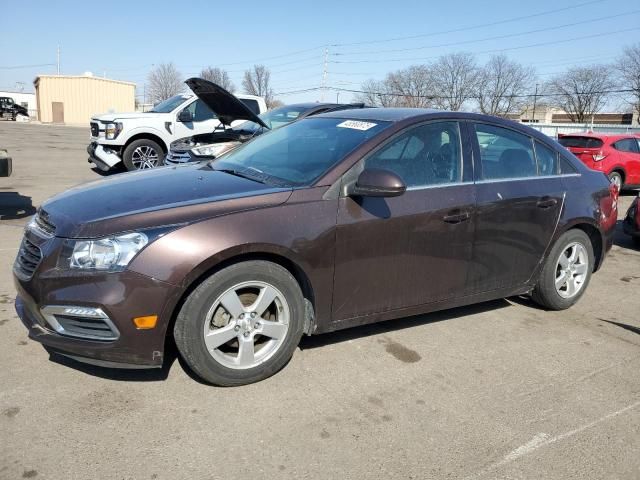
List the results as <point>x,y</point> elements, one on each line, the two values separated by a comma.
<point>159,197</point>
<point>110,117</point>
<point>221,102</point>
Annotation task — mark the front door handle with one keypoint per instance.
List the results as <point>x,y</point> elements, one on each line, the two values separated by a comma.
<point>547,202</point>
<point>456,217</point>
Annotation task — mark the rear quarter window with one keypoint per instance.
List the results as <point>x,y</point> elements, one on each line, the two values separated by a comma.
<point>252,104</point>
<point>580,142</point>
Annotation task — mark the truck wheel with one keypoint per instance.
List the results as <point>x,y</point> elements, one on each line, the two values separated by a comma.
<point>242,324</point>
<point>566,272</point>
<point>143,154</point>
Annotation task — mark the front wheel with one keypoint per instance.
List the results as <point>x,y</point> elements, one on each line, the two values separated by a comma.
<point>566,272</point>
<point>242,324</point>
<point>143,154</point>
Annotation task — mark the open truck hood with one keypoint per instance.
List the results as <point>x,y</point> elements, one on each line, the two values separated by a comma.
<point>223,103</point>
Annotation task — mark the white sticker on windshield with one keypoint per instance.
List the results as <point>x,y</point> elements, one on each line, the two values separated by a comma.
<point>356,125</point>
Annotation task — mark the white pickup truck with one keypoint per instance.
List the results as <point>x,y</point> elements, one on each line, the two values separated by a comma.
<point>141,140</point>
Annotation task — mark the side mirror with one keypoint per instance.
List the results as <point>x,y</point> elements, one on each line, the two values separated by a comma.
<point>376,182</point>
<point>5,164</point>
<point>185,116</point>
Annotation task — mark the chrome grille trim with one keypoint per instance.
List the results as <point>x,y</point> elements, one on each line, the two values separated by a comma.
<point>28,259</point>
<point>86,323</point>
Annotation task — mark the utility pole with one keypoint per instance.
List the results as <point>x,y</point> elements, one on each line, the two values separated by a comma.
<point>535,98</point>
<point>324,73</point>
<point>58,58</point>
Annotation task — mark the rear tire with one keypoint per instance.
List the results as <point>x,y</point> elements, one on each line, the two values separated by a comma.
<point>616,179</point>
<point>564,279</point>
<point>242,324</point>
<point>143,154</point>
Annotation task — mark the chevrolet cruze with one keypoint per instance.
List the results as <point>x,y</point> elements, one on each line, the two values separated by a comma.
<point>334,221</point>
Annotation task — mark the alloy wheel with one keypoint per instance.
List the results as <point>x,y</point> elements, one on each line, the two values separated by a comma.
<point>571,270</point>
<point>144,157</point>
<point>246,325</point>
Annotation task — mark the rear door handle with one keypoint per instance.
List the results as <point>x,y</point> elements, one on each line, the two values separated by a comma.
<point>457,217</point>
<point>547,202</point>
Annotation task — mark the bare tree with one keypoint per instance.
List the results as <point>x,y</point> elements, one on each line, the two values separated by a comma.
<point>409,87</point>
<point>454,80</point>
<point>581,91</point>
<point>629,67</point>
<point>163,82</point>
<point>218,76</point>
<point>502,85</point>
<point>257,81</point>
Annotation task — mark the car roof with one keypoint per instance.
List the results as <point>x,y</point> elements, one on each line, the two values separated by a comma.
<point>381,114</point>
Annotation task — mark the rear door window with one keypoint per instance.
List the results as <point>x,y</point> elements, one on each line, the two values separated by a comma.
<point>576,141</point>
<point>629,145</point>
<point>505,153</point>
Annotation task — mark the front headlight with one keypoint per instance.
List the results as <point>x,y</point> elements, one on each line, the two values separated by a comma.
<point>213,149</point>
<point>112,130</point>
<point>113,253</point>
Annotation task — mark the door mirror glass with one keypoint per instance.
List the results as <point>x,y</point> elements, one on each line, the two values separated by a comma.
<point>376,182</point>
<point>185,116</point>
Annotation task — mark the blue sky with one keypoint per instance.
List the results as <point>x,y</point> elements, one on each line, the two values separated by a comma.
<point>125,39</point>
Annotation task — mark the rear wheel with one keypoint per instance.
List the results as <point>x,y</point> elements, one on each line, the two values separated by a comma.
<point>566,272</point>
<point>143,154</point>
<point>616,179</point>
<point>242,324</point>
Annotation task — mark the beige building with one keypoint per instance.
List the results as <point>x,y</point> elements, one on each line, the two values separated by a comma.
<point>75,99</point>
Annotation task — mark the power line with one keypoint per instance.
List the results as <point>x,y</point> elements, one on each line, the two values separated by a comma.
<point>472,27</point>
<point>18,67</point>
<point>496,37</point>
<point>541,44</point>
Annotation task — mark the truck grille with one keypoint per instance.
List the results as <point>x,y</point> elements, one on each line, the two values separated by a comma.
<point>95,129</point>
<point>29,257</point>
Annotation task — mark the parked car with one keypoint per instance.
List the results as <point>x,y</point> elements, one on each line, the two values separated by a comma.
<point>208,146</point>
<point>5,163</point>
<point>631,222</point>
<point>141,140</point>
<point>9,108</point>
<point>616,155</point>
<point>333,221</point>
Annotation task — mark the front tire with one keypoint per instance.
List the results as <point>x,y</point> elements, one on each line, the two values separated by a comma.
<point>566,272</point>
<point>143,154</point>
<point>242,324</point>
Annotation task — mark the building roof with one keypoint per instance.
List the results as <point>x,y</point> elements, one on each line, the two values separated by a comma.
<point>90,77</point>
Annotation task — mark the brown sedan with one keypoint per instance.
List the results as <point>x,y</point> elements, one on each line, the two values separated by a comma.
<point>334,221</point>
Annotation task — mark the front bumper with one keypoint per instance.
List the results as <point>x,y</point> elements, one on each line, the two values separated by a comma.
<point>102,157</point>
<point>121,296</point>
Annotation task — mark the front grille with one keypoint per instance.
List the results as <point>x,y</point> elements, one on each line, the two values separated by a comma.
<point>95,129</point>
<point>29,257</point>
<point>43,223</point>
<point>81,322</point>
<point>174,158</point>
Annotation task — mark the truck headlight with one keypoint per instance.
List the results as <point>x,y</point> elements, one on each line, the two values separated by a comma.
<point>112,130</point>
<point>112,253</point>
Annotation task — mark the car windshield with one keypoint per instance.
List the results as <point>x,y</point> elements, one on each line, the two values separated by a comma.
<point>299,153</point>
<point>168,105</point>
<point>278,117</point>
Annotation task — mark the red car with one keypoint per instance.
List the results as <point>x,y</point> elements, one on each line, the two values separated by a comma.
<point>632,221</point>
<point>618,156</point>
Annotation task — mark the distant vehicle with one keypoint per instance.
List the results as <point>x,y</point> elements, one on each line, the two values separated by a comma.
<point>618,156</point>
<point>10,109</point>
<point>141,139</point>
<point>631,222</point>
<point>334,221</point>
<point>208,146</point>
<point>5,164</point>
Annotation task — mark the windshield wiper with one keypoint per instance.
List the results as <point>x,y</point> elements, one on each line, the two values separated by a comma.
<point>241,173</point>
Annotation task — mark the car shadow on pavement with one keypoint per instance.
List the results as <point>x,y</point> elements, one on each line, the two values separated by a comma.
<point>14,206</point>
<point>399,324</point>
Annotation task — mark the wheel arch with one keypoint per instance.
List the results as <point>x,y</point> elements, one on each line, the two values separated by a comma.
<point>233,256</point>
<point>594,234</point>
<point>146,136</point>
